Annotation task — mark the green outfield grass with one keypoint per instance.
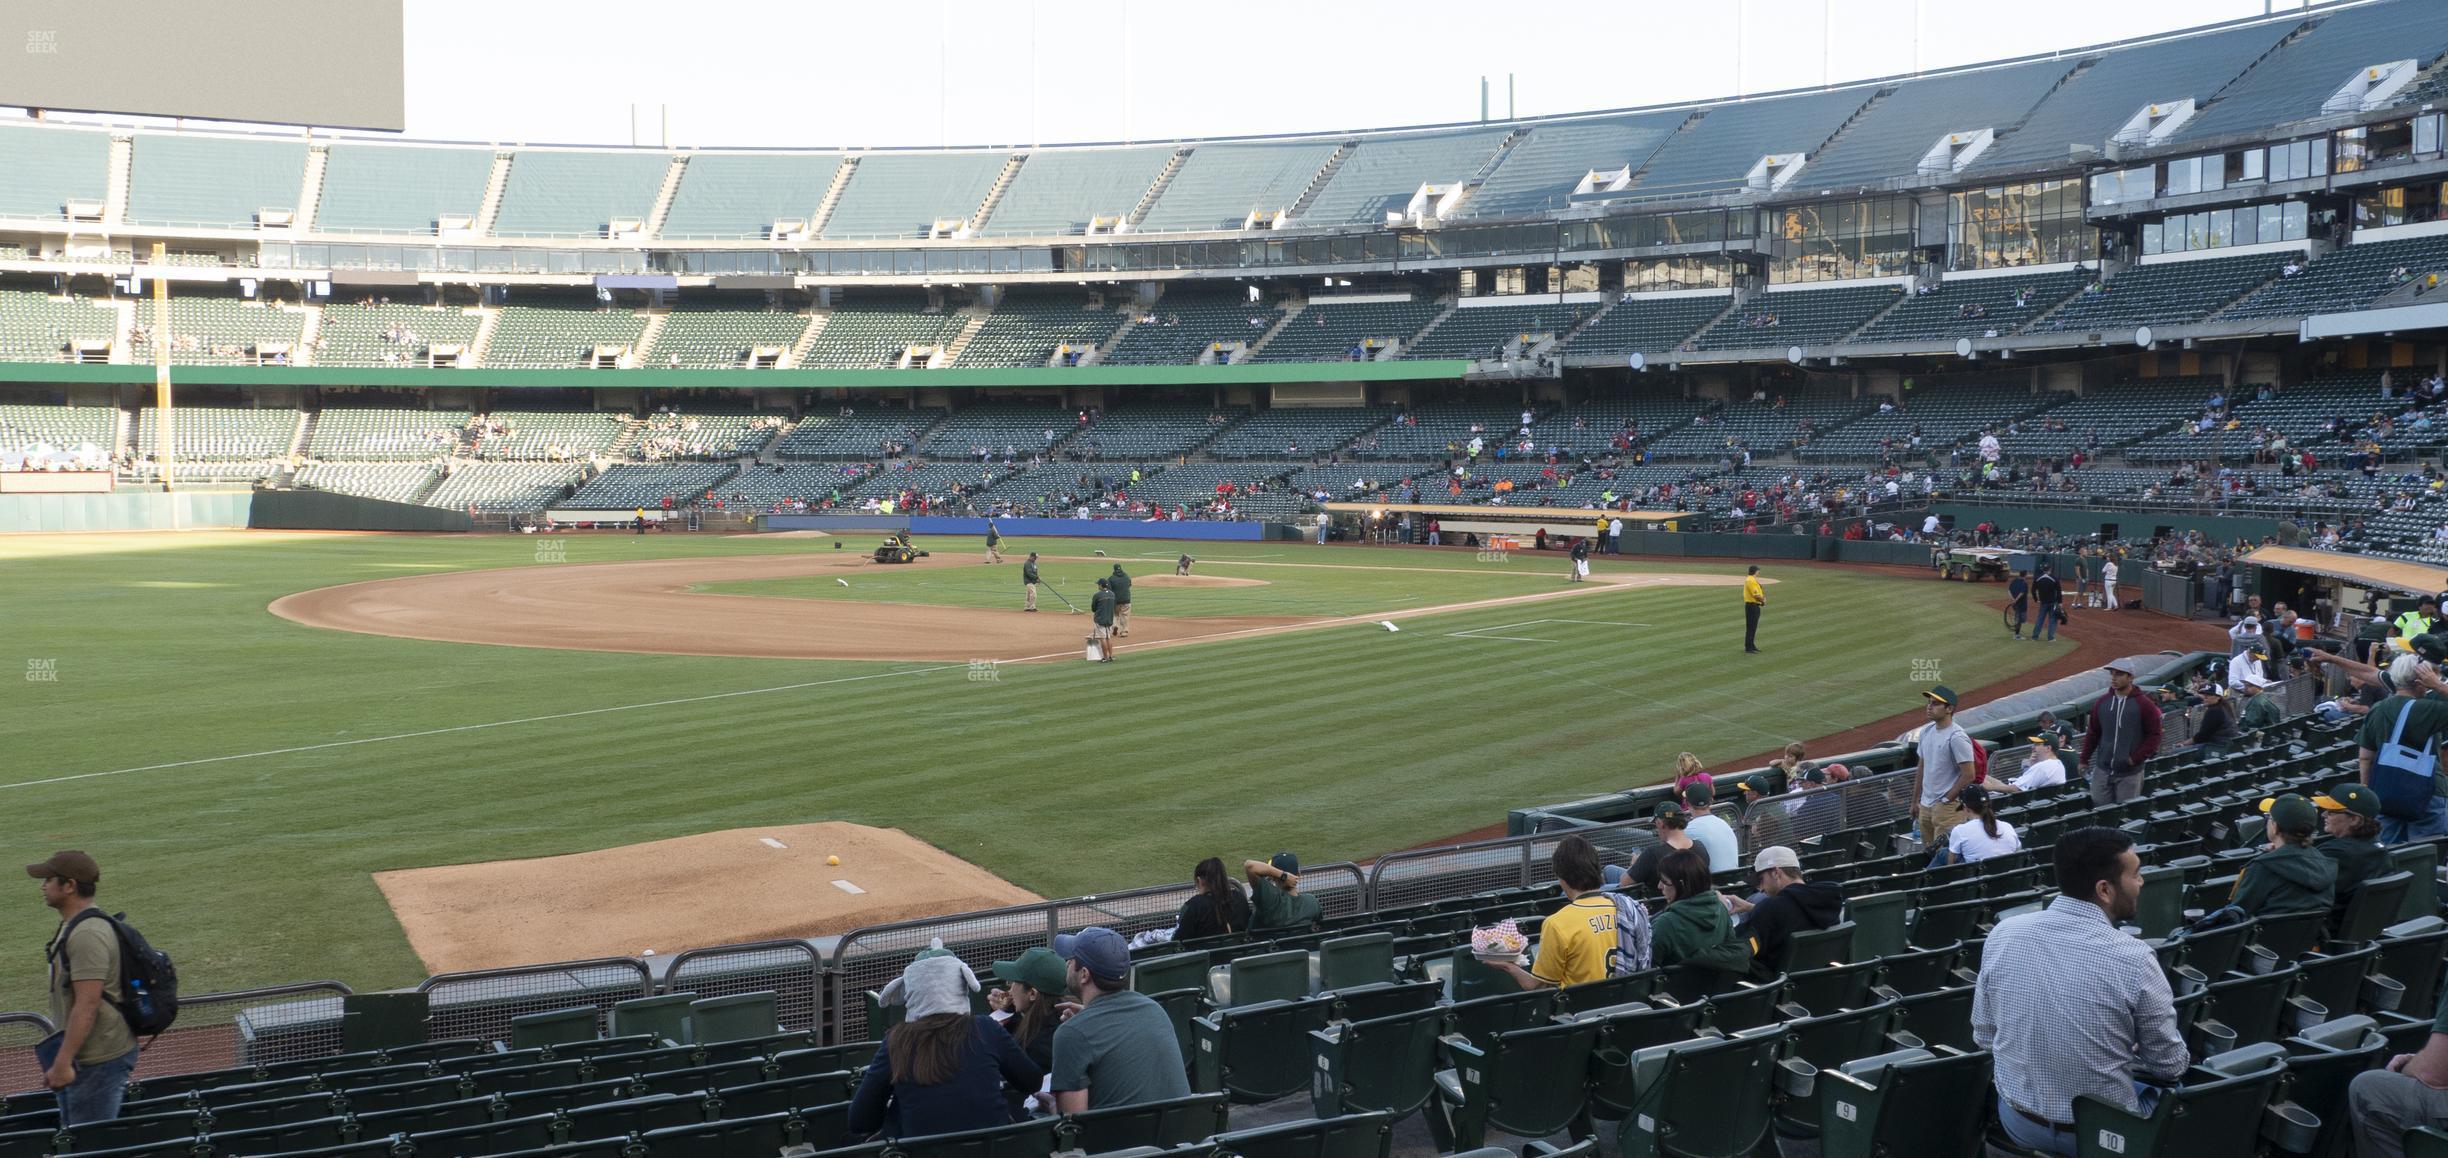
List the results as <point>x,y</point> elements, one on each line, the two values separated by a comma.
<point>230,824</point>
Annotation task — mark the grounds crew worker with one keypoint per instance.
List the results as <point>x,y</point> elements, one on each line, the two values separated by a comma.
<point>994,543</point>
<point>1103,608</point>
<point>1028,581</point>
<point>1121,597</point>
<point>1580,561</point>
<point>96,1050</point>
<point>2419,620</point>
<point>1754,601</point>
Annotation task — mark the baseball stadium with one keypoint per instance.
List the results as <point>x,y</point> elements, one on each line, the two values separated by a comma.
<point>558,642</point>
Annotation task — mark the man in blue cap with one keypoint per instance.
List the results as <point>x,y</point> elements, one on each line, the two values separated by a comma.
<point>1119,1049</point>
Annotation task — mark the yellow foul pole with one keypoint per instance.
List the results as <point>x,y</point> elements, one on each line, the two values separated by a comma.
<point>162,442</point>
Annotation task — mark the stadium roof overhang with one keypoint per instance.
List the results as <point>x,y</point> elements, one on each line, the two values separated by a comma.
<point>2360,570</point>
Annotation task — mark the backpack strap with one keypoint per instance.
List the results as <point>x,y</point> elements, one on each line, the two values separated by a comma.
<point>59,943</point>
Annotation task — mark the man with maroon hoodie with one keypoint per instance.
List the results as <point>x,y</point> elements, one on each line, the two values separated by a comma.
<point>2124,732</point>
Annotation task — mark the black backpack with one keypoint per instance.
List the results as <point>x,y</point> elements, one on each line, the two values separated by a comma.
<point>148,980</point>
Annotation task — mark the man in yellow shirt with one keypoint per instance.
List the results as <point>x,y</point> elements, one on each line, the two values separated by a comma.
<point>1754,600</point>
<point>1577,943</point>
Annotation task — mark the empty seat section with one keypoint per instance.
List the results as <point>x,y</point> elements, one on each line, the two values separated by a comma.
<point>554,337</point>
<point>544,435</point>
<point>1798,318</point>
<point>1480,332</point>
<point>1297,431</point>
<point>1974,307</point>
<point>1189,321</point>
<point>1435,432</point>
<point>938,482</point>
<point>1762,427</point>
<point>1541,170</point>
<point>994,428</point>
<point>742,195</point>
<point>761,486</point>
<point>713,338</point>
<point>390,189</point>
<point>905,194</point>
<point>1891,135</point>
<point>1150,432</point>
<point>1220,186</point>
<point>217,331</point>
<point>50,167</point>
<point>1593,428</point>
<point>1943,416</point>
<point>2111,416</point>
<point>2345,279</point>
<point>2092,105</point>
<point>876,331</point>
<point>2163,293</point>
<point>39,328</point>
<point>2302,412</point>
<point>385,434</point>
<point>623,486</point>
<point>1720,150</point>
<point>503,487</point>
<point>1329,331</point>
<point>666,434</point>
<point>867,433</point>
<point>217,432</point>
<point>212,182</point>
<point>390,482</point>
<point>1382,174</point>
<point>392,335</point>
<point>574,193</point>
<point>23,427</point>
<point>1644,325</point>
<point>1029,328</point>
<point>2293,80</point>
<point>1058,192</point>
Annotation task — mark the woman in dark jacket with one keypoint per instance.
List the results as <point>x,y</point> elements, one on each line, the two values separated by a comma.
<point>1695,932</point>
<point>1218,907</point>
<point>1032,987</point>
<point>943,1069</point>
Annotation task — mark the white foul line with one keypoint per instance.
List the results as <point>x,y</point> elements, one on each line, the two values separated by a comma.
<point>480,727</point>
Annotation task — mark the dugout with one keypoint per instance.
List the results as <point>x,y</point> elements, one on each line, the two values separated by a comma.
<point>2335,582</point>
<point>1495,527</point>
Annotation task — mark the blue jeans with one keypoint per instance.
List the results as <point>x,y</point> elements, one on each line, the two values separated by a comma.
<point>2033,1136</point>
<point>94,1095</point>
<point>2433,823</point>
<point>2050,617</point>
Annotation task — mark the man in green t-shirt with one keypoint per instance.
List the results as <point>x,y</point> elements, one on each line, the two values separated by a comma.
<point>1119,1049</point>
<point>1276,901</point>
<point>2427,723</point>
<point>1121,582</point>
<point>1028,581</point>
<point>96,1050</point>
<point>2260,709</point>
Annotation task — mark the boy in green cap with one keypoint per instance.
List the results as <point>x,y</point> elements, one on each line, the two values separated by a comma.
<point>2350,815</point>
<point>2289,877</point>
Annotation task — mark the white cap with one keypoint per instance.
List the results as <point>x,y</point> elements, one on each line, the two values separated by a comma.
<point>1775,856</point>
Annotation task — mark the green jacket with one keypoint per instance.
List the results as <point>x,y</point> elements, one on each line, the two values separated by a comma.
<point>1103,608</point>
<point>2357,862</point>
<point>1028,572</point>
<point>2288,879</point>
<point>1698,933</point>
<point>1121,586</point>
<point>2261,711</point>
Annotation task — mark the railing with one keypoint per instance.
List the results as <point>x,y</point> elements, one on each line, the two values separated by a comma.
<point>18,1034</point>
<point>793,971</point>
<point>248,1027</point>
<point>482,1002</point>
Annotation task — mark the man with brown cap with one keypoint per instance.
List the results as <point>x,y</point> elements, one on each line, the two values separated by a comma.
<point>96,1051</point>
<point>2124,732</point>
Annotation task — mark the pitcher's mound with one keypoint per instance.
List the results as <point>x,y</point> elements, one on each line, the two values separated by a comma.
<point>684,893</point>
<point>1195,581</point>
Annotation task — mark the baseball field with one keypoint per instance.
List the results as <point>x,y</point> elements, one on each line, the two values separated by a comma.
<point>243,771</point>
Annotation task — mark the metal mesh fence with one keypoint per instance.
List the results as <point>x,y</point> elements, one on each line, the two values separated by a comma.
<point>793,970</point>
<point>248,1027</point>
<point>1411,878</point>
<point>481,1003</point>
<point>1861,801</point>
<point>18,1034</point>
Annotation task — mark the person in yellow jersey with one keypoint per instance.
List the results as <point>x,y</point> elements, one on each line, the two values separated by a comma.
<point>1578,943</point>
<point>1754,601</point>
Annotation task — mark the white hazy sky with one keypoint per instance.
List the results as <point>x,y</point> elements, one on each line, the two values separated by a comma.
<point>775,72</point>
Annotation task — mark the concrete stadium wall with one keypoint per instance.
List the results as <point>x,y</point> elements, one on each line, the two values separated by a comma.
<point>1016,528</point>
<point>127,511</point>
<point>324,511</point>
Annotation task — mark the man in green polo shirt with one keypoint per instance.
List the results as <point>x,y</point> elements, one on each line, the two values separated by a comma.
<point>2260,709</point>
<point>1121,593</point>
<point>1276,901</point>
<point>1102,608</point>
<point>1028,581</point>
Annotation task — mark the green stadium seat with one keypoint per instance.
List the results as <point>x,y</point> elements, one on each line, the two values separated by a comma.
<point>2426,1142</point>
<point>635,1063</point>
<point>1830,1040</point>
<point>2227,1106</point>
<point>1833,987</point>
<point>562,1097</point>
<point>698,1079</point>
<point>2422,860</point>
<point>1169,1123</point>
<point>2214,951</point>
<point>530,1131</point>
<point>1623,1031</point>
<point>1607,992</point>
<point>1530,1083</point>
<point>1183,1006</point>
<point>367,1148</point>
<point>1481,1017</point>
<point>1350,1136</point>
<point>424,1091</point>
<point>2338,982</point>
<point>1747,1004</point>
<point>631,1115</point>
<point>289,1136</point>
<point>1940,1017</point>
<point>1816,948</point>
<point>2375,906</point>
<point>1384,999</point>
<point>553,1027</point>
<point>1031,1139</point>
<point>1175,971</point>
<point>2161,910</point>
<point>616,1146</point>
<point>2321,1061</point>
<point>727,1138</point>
<point>1378,1065</point>
<point>774,1095</point>
<point>278,1111</point>
<point>1282,976</point>
<point>1878,922</point>
<point>451,1115</point>
<point>1257,1053</point>
<point>143,1129</point>
<point>2410,954</point>
<point>664,1017</point>
<point>1911,1102</point>
<point>1343,962</point>
<point>1920,970</point>
<point>740,1015</point>
<point>1711,1097</point>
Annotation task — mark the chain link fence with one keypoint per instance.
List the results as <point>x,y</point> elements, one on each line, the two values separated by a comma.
<point>248,1027</point>
<point>18,1034</point>
<point>794,971</point>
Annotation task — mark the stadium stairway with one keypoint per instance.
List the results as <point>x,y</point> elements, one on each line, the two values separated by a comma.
<point>1404,346</point>
<point>489,210</point>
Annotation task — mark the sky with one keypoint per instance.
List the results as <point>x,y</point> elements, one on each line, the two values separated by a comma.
<point>1014,72</point>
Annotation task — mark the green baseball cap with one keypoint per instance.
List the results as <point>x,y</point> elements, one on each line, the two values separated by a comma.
<point>1943,694</point>
<point>1039,969</point>
<point>2349,797</point>
<point>2292,813</point>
